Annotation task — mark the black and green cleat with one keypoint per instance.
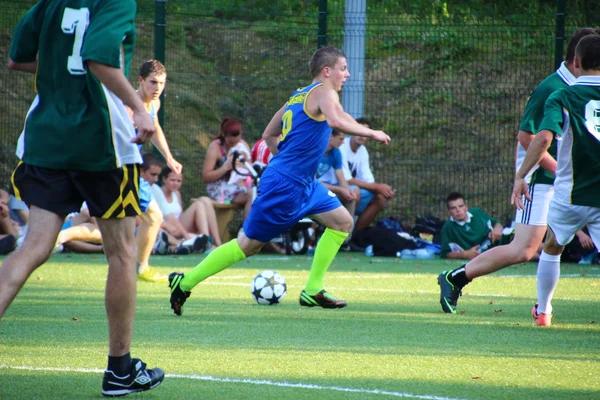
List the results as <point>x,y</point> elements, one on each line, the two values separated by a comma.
<point>178,295</point>
<point>321,299</point>
<point>448,293</point>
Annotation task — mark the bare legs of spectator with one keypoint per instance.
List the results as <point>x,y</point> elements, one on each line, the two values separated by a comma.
<point>86,232</point>
<point>201,217</point>
<point>244,199</point>
<point>374,207</point>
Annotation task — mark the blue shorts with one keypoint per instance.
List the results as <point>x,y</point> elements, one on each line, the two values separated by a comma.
<point>281,203</point>
<point>365,198</point>
<point>145,194</point>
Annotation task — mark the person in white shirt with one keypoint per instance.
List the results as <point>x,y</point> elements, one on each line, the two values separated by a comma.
<point>357,171</point>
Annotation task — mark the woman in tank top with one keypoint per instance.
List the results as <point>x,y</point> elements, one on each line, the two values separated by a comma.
<point>218,167</point>
<point>198,218</point>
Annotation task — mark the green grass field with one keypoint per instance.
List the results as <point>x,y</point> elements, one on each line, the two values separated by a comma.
<point>391,341</point>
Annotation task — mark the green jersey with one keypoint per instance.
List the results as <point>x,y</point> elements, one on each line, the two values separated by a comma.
<point>75,122</point>
<point>464,235</point>
<point>573,113</point>
<point>534,113</point>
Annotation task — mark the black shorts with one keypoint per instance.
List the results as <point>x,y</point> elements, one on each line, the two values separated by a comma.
<point>108,194</point>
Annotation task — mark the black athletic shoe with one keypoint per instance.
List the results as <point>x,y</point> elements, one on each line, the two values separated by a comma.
<point>183,250</point>
<point>321,299</point>
<point>202,243</point>
<point>138,379</point>
<point>178,296</point>
<point>448,293</point>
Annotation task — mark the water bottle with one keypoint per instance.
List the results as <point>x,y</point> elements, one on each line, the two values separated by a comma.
<point>369,251</point>
<point>485,245</point>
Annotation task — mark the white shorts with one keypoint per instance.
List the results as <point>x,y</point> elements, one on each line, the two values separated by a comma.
<point>566,219</point>
<point>536,210</point>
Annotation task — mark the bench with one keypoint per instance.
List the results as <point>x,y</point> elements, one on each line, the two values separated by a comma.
<point>224,214</point>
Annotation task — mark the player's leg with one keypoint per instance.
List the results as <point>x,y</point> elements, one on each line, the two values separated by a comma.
<point>219,259</point>
<point>50,196</point>
<point>36,249</point>
<point>273,212</point>
<point>521,249</point>
<point>327,209</point>
<point>548,274</point>
<point>338,223</point>
<point>113,199</point>
<point>145,239</point>
<point>120,284</point>
<point>564,220</point>
<point>529,233</point>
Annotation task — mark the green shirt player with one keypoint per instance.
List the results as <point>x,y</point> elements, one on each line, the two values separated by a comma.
<point>531,222</point>
<point>78,144</point>
<point>469,231</point>
<point>573,114</point>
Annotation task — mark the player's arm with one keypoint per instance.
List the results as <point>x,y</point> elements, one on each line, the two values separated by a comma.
<point>30,67</point>
<point>22,55</point>
<point>535,153</point>
<point>114,79</point>
<point>160,142</point>
<point>337,118</point>
<point>547,162</point>
<point>272,132</point>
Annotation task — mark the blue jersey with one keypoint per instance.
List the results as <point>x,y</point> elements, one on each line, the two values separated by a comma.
<point>303,142</point>
<point>329,163</point>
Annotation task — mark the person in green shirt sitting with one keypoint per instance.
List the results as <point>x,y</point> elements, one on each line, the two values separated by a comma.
<point>469,231</point>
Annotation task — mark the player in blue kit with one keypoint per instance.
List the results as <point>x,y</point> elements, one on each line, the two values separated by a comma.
<point>297,135</point>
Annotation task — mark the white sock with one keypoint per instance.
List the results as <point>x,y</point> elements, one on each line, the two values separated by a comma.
<point>190,241</point>
<point>548,273</point>
<point>140,267</point>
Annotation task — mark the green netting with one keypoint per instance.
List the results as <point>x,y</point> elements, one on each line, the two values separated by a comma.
<point>448,85</point>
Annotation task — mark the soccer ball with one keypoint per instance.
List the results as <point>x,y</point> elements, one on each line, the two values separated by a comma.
<point>268,288</point>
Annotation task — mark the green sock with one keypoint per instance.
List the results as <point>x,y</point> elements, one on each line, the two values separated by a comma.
<point>220,258</point>
<point>327,248</point>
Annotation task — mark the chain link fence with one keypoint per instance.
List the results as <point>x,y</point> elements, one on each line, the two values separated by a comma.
<point>448,88</point>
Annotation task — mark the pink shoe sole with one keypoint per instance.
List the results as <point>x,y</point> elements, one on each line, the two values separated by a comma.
<point>541,319</point>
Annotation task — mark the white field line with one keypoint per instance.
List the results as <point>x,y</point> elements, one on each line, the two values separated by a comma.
<point>251,382</point>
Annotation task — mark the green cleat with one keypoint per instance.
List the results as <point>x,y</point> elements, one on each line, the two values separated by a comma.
<point>448,293</point>
<point>321,299</point>
<point>178,295</point>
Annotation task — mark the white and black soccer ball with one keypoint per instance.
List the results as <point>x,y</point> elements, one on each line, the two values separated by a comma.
<point>268,288</point>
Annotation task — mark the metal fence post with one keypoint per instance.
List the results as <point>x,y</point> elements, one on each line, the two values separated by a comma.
<point>322,35</point>
<point>560,33</point>
<point>160,22</point>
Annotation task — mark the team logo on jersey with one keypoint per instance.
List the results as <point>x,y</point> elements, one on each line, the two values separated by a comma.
<point>330,193</point>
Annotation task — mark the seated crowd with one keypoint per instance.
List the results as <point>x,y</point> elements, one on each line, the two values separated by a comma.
<point>167,227</point>
<point>175,229</point>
